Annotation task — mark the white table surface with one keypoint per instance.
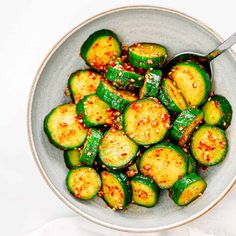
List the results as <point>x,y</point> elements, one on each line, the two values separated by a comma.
<point>28,29</point>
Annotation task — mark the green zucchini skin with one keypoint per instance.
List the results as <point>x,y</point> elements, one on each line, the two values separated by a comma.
<point>76,187</point>
<point>205,133</point>
<point>182,184</point>
<point>148,182</point>
<point>71,158</point>
<point>125,185</point>
<point>91,40</point>
<point>151,84</point>
<point>168,101</point>
<point>122,78</point>
<point>183,121</point>
<point>82,83</point>
<point>147,61</point>
<point>150,170</point>
<point>112,99</point>
<point>91,146</point>
<point>192,164</point>
<point>49,131</point>
<point>111,146</point>
<point>194,92</point>
<point>222,104</point>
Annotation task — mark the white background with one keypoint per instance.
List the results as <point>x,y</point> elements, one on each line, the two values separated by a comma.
<point>28,29</point>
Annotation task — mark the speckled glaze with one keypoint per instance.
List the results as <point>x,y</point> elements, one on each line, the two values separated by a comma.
<point>178,33</point>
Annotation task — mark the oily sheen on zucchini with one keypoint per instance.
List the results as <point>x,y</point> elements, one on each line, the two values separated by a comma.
<point>187,189</point>
<point>165,163</point>
<point>146,121</point>
<point>100,48</point>
<point>117,99</point>
<point>147,55</point>
<point>122,78</point>
<point>218,111</point>
<point>193,82</point>
<point>151,84</point>
<point>116,189</point>
<point>145,191</point>
<point>91,146</point>
<point>63,128</point>
<point>93,111</point>
<point>209,145</point>
<point>83,182</point>
<point>117,150</point>
<point>133,126</point>
<point>185,124</point>
<point>82,83</point>
<point>171,97</point>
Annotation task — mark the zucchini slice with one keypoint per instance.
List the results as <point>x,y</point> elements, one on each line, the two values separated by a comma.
<point>185,124</point>
<point>122,78</point>
<point>147,55</point>
<point>146,121</point>
<point>83,182</point>
<point>82,83</point>
<point>100,48</point>
<point>145,191</point>
<point>117,99</point>
<point>192,164</point>
<point>91,146</point>
<point>209,145</point>
<point>193,82</point>
<point>151,84</point>
<point>218,111</point>
<point>94,112</point>
<point>63,128</point>
<point>116,189</point>
<point>165,163</point>
<point>171,97</point>
<point>117,150</point>
<point>187,189</point>
<point>72,157</point>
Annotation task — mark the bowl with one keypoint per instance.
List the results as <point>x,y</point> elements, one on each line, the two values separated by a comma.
<point>179,33</point>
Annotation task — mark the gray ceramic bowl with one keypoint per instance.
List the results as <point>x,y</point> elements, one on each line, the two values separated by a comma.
<point>139,23</point>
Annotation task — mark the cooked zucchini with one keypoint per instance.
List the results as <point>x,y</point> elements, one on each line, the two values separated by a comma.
<point>122,78</point>
<point>193,82</point>
<point>187,189</point>
<point>83,182</point>
<point>82,83</point>
<point>145,191</point>
<point>209,145</point>
<point>100,48</point>
<point>146,121</point>
<point>147,55</point>
<point>185,124</point>
<point>165,163</point>
<point>116,99</point>
<point>151,84</point>
<point>218,111</point>
<point>116,189</point>
<point>72,157</point>
<point>93,111</point>
<point>91,146</point>
<point>117,150</point>
<point>63,128</point>
<point>192,164</point>
<point>171,97</point>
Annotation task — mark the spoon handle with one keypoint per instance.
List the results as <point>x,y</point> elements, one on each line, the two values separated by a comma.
<point>222,47</point>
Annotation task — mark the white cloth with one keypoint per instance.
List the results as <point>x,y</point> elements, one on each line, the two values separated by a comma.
<point>77,226</point>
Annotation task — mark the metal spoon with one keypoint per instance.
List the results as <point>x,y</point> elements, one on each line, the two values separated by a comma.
<point>203,60</point>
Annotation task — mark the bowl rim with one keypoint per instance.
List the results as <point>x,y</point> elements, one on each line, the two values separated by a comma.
<point>30,133</point>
